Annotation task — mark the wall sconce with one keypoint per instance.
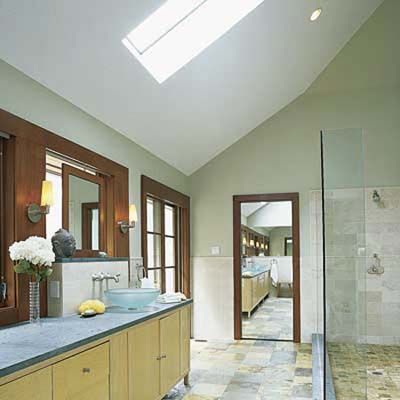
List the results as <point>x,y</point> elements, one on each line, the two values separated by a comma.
<point>266,246</point>
<point>257,245</point>
<point>34,211</point>
<point>125,226</point>
<point>262,245</point>
<point>251,243</point>
<point>244,241</point>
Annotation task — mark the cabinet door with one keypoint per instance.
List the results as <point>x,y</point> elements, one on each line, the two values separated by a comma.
<point>185,340</point>
<point>254,285</point>
<point>170,344</point>
<point>144,363</point>
<point>84,376</point>
<point>247,297</point>
<point>35,386</point>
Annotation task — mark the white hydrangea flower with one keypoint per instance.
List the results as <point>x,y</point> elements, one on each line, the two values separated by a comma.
<point>36,250</point>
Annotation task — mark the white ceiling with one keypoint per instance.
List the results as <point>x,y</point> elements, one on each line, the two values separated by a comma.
<point>74,48</point>
<point>250,208</point>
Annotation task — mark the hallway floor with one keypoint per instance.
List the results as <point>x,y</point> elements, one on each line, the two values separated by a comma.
<point>248,370</point>
<point>273,319</point>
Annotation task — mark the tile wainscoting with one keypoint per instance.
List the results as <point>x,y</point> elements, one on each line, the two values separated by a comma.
<point>212,288</point>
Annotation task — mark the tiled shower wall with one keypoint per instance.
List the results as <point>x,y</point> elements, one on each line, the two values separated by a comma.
<point>360,307</point>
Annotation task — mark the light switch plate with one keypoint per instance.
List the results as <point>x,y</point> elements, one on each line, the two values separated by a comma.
<point>215,250</point>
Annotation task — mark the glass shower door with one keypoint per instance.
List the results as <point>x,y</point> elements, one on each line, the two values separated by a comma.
<point>344,264</point>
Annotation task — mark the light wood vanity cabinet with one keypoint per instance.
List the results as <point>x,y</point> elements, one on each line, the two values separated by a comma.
<point>140,363</point>
<point>185,340</point>
<point>158,355</point>
<point>143,361</point>
<point>84,376</point>
<point>35,386</point>
<point>254,290</point>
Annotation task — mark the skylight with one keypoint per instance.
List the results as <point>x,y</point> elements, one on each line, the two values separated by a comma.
<point>180,30</point>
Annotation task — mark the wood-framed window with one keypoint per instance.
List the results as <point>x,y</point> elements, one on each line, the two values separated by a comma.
<point>165,236</point>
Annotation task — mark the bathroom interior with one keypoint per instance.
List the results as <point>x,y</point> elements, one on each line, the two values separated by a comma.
<point>200,201</point>
<point>267,270</point>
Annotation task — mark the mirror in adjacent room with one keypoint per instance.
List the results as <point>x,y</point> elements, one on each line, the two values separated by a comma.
<point>79,204</point>
<point>267,270</point>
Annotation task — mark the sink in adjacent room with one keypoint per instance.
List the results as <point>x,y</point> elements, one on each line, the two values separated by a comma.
<point>132,298</point>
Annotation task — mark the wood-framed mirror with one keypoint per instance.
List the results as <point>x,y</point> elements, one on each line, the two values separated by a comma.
<point>83,209</point>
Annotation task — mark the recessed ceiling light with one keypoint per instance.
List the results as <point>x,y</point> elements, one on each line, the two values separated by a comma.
<point>180,30</point>
<point>316,14</point>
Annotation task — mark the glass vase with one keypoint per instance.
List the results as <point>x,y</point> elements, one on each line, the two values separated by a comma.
<point>34,302</point>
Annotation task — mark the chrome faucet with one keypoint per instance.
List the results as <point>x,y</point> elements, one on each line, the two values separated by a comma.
<point>101,276</point>
<point>140,274</point>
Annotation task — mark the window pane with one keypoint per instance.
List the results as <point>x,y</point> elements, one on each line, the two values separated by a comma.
<point>153,215</point>
<point>153,251</point>
<point>169,252</point>
<point>54,218</point>
<point>170,280</point>
<point>150,212</point>
<point>169,220</point>
<point>155,276</point>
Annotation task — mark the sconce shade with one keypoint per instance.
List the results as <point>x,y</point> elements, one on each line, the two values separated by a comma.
<point>47,194</point>
<point>252,243</point>
<point>132,213</point>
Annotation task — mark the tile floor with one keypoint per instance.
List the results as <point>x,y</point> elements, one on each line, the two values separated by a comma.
<point>273,319</point>
<point>352,380</point>
<point>248,370</point>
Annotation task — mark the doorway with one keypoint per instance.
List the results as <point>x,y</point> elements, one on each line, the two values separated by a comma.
<point>266,239</point>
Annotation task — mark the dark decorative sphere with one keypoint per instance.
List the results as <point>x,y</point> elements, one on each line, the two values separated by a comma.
<point>64,244</point>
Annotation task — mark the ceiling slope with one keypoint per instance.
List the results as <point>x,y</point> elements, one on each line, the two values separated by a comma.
<point>262,64</point>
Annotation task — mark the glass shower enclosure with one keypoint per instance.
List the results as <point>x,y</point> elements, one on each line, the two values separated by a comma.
<point>344,264</point>
<point>361,268</point>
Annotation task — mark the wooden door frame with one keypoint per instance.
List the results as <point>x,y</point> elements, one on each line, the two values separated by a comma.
<point>237,271</point>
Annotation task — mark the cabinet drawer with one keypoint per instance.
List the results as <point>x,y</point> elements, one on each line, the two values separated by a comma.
<point>35,386</point>
<point>84,376</point>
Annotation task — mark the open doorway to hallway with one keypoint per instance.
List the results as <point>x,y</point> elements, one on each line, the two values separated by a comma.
<point>266,273</point>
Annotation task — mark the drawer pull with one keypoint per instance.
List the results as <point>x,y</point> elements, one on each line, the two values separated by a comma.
<point>161,357</point>
<point>86,370</point>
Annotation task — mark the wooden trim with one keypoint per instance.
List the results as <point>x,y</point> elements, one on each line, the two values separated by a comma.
<point>159,191</point>
<point>30,143</point>
<point>237,271</point>
<point>9,312</point>
<point>163,192</point>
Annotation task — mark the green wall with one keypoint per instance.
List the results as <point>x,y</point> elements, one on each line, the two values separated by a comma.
<point>359,89</point>
<point>277,240</point>
<point>28,99</point>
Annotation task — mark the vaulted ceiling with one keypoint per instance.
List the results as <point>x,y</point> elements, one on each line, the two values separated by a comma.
<point>258,67</point>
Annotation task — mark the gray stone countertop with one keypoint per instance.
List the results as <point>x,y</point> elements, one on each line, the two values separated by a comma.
<point>24,344</point>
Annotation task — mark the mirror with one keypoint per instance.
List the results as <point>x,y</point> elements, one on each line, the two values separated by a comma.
<point>84,216</point>
<point>79,194</point>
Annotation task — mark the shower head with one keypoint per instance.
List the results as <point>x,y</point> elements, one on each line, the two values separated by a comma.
<point>376,197</point>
